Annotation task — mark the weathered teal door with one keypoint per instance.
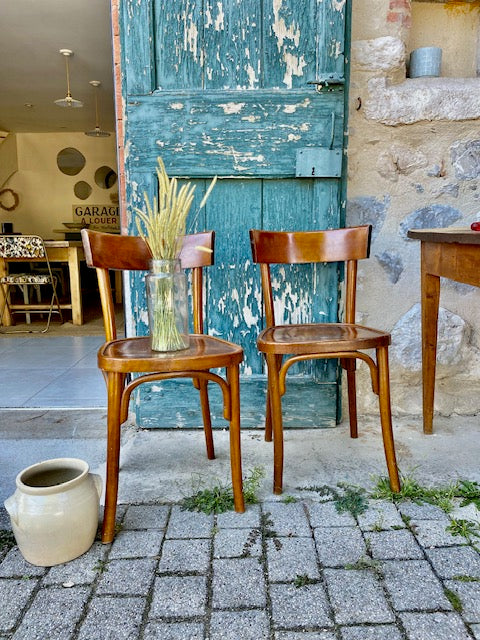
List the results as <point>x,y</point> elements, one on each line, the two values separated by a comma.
<point>251,91</point>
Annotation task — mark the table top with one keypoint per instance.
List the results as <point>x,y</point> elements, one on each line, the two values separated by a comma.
<point>63,243</point>
<point>461,235</point>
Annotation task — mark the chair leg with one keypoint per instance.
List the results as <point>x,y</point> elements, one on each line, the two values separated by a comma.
<point>268,409</point>
<point>350,366</point>
<point>233,378</point>
<point>207,420</point>
<point>276,410</point>
<point>386,418</point>
<point>114,391</point>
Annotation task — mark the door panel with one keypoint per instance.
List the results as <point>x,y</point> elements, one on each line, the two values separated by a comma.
<point>228,89</point>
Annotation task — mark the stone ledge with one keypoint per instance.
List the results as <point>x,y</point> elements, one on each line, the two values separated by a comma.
<point>419,99</point>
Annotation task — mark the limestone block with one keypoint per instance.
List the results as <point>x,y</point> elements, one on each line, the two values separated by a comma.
<point>406,346</point>
<point>392,262</point>
<point>400,160</point>
<point>385,54</point>
<point>419,99</point>
<point>367,210</point>
<point>466,159</point>
<point>431,217</point>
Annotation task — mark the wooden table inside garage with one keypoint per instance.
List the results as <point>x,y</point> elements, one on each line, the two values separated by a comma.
<point>448,253</point>
<point>71,253</point>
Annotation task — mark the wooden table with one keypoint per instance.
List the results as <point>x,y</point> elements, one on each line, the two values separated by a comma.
<point>449,253</point>
<point>70,252</point>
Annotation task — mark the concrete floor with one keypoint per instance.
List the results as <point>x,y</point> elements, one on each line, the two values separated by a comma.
<point>166,465</point>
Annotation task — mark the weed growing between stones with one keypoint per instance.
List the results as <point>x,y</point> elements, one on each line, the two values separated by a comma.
<point>443,497</point>
<point>454,600</point>
<point>303,580</point>
<point>219,498</point>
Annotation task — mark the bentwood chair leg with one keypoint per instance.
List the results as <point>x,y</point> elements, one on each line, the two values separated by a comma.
<point>276,409</point>
<point>233,378</point>
<point>207,420</point>
<point>114,391</point>
<point>386,418</point>
<point>268,409</point>
<point>352,396</point>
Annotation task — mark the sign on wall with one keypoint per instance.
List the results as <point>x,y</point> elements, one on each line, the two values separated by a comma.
<point>102,217</point>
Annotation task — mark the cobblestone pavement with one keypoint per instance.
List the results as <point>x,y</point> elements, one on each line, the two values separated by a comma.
<point>294,570</point>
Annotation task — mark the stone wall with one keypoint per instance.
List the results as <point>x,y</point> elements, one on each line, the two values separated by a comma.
<point>414,162</point>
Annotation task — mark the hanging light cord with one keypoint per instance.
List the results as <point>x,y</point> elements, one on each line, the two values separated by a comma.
<point>69,95</point>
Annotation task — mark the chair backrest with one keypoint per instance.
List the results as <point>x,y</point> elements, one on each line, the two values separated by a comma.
<point>106,251</point>
<point>21,248</point>
<point>302,247</point>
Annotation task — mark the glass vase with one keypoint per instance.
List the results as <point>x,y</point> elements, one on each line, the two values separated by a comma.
<point>167,305</point>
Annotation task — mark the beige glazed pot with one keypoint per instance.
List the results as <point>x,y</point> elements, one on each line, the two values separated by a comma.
<point>54,511</point>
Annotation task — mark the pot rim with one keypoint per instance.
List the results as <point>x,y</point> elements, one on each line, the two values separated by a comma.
<point>54,463</point>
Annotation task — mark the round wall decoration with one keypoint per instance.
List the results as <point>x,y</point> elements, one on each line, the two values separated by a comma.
<point>11,195</point>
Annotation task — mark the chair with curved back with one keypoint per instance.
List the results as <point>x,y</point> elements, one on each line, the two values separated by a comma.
<point>345,341</point>
<point>19,248</point>
<point>119,357</point>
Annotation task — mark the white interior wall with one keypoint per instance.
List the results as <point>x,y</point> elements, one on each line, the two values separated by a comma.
<point>45,193</point>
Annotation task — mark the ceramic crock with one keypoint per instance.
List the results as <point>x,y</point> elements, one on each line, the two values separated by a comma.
<point>54,511</point>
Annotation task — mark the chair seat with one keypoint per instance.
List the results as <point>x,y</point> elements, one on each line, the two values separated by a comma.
<point>26,278</point>
<point>134,355</point>
<point>302,339</point>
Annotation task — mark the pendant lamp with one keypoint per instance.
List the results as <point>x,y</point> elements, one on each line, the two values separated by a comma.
<point>68,101</point>
<point>97,132</point>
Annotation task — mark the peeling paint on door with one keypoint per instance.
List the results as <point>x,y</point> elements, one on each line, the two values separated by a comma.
<point>221,87</point>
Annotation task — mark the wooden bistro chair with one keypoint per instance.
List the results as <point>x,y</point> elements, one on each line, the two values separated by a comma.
<point>345,340</point>
<point>119,357</point>
<point>27,249</point>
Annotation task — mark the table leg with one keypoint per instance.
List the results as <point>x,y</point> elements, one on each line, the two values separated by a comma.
<point>75,288</point>
<point>430,301</point>
<point>7,318</point>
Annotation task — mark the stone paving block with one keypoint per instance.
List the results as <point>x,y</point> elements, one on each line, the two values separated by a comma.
<point>189,524</point>
<point>338,546</point>
<point>422,511</point>
<point>357,597</point>
<point>434,626</point>
<point>53,614</point>
<point>185,556</point>
<point>433,533</point>
<point>380,515</point>
<point>393,545</point>
<point>287,519</point>
<point>294,608</point>
<point>413,586</point>
<point>179,597</point>
<point>476,631</point>
<point>455,561</point>
<point>127,577</point>
<point>82,570</point>
<point>234,543</point>
<point>378,632</point>
<point>469,594</point>
<point>238,582</point>
<point>136,544</point>
<point>174,631</point>
<point>146,516</point>
<point>14,565</point>
<point>17,594</point>
<point>233,625</point>
<point>248,520</point>
<point>113,619</point>
<point>468,512</point>
<point>291,557</point>
<point>325,514</point>
<point>305,635</point>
